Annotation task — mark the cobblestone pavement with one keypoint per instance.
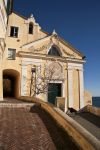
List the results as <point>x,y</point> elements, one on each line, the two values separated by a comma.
<point>31,128</point>
<point>90,122</point>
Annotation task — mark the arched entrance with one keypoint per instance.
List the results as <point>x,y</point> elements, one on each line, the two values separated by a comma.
<point>11,80</point>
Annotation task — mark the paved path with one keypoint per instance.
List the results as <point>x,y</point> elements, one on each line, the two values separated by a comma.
<point>31,128</point>
<point>90,122</point>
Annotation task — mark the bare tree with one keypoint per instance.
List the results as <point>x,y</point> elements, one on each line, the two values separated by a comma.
<point>41,77</point>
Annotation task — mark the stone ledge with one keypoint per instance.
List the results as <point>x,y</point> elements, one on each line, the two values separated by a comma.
<point>81,136</point>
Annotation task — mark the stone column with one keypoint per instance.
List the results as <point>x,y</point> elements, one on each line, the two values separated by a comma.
<point>70,88</point>
<point>81,87</point>
<point>23,80</point>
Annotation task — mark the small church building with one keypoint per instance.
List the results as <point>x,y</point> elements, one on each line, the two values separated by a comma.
<point>29,53</point>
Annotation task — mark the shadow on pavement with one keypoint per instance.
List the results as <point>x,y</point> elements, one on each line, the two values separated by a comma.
<point>61,140</point>
<point>91,118</point>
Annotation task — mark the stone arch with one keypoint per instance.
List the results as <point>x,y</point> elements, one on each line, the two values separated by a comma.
<point>11,83</point>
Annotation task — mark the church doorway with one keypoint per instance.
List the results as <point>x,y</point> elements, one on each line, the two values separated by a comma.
<point>11,83</point>
<point>54,90</point>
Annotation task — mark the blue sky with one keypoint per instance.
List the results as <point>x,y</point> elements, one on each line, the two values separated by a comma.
<point>78,22</point>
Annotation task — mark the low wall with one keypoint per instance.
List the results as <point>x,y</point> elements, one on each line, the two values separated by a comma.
<point>60,103</point>
<point>87,98</point>
<point>81,136</point>
<point>93,110</point>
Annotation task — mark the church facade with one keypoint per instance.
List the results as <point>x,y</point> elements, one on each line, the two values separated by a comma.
<point>29,53</point>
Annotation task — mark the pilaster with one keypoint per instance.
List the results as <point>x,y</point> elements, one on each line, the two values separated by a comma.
<point>81,84</point>
<point>70,87</point>
<point>23,80</point>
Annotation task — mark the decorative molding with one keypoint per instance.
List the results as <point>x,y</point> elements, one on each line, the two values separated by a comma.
<point>42,48</point>
<point>41,56</point>
<point>69,55</point>
<point>52,40</point>
<point>32,19</point>
<point>77,66</point>
<point>46,47</point>
<point>58,70</point>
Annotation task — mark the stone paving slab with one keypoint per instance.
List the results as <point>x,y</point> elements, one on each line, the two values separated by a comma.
<point>31,128</point>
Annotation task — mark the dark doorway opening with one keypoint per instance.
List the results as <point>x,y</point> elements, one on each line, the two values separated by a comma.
<point>8,86</point>
<point>10,83</point>
<point>54,90</point>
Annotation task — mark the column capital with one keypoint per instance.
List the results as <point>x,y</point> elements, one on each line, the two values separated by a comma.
<point>80,69</point>
<point>70,68</point>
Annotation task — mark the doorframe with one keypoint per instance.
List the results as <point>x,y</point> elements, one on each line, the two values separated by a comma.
<point>62,88</point>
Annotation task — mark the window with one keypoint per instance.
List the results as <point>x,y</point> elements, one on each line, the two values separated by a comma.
<point>14,32</point>
<point>11,53</point>
<point>30,28</point>
<point>54,51</point>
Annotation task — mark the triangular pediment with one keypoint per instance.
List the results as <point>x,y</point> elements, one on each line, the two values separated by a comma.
<point>42,46</point>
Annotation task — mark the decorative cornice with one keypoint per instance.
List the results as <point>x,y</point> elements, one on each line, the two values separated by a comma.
<point>71,47</point>
<point>54,40</point>
<point>48,57</point>
<point>32,49</point>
